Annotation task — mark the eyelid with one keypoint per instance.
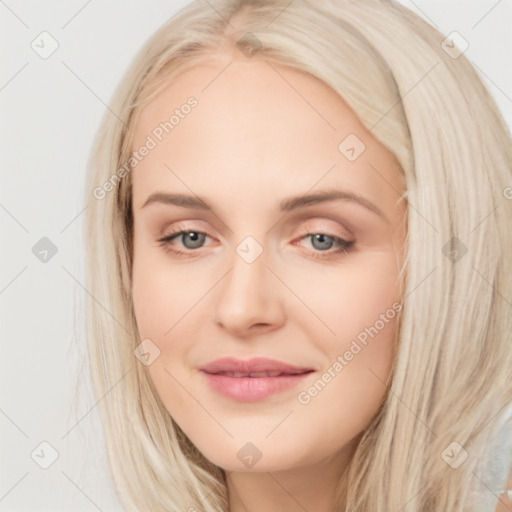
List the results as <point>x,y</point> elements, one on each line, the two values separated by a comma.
<point>311,227</point>
<point>180,230</point>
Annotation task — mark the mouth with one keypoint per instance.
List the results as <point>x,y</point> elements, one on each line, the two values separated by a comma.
<point>254,379</point>
<point>257,366</point>
<point>253,386</point>
<point>255,375</point>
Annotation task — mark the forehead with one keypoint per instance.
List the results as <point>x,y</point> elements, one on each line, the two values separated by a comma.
<point>257,128</point>
<point>259,96</point>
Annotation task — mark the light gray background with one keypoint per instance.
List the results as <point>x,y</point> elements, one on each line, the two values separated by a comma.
<point>50,109</point>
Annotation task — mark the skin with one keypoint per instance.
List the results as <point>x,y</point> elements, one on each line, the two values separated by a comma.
<point>505,503</point>
<point>251,142</point>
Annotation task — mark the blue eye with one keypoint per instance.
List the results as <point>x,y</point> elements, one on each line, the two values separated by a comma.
<point>324,242</point>
<point>196,239</point>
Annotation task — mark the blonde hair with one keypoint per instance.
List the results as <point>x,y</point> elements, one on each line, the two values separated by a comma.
<point>452,370</point>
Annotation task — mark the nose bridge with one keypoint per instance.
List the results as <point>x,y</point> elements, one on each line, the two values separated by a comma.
<point>247,295</point>
<point>246,281</point>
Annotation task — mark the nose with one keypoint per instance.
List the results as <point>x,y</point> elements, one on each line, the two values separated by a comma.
<point>250,300</point>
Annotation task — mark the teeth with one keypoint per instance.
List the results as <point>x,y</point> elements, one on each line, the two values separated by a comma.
<point>264,374</point>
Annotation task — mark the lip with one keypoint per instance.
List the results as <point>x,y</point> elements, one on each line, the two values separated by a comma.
<point>254,365</point>
<point>252,389</point>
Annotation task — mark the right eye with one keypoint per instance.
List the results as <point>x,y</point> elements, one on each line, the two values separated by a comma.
<point>191,240</point>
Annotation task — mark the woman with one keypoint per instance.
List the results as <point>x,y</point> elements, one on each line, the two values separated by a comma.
<point>300,231</point>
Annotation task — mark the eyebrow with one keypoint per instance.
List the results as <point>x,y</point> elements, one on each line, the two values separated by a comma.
<point>286,205</point>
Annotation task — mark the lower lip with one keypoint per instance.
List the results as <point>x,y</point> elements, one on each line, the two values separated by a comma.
<point>252,389</point>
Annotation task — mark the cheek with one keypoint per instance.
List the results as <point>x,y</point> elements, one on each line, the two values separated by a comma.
<point>158,310</point>
<point>347,298</point>
<point>165,302</point>
<point>352,385</point>
<point>359,303</point>
<point>162,293</point>
<point>370,299</point>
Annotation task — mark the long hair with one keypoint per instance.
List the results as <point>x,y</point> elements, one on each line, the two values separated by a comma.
<point>432,444</point>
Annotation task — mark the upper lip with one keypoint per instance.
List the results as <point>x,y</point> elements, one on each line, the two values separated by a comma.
<point>257,364</point>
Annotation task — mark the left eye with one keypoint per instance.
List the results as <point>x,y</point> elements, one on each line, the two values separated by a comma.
<point>324,242</point>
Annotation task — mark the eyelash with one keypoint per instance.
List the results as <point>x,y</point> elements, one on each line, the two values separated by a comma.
<point>344,246</point>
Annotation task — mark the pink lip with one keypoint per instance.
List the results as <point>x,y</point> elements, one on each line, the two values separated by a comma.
<point>251,389</point>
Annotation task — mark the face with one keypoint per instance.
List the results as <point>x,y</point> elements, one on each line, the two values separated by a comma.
<point>255,269</point>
